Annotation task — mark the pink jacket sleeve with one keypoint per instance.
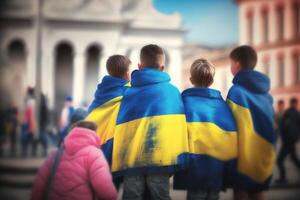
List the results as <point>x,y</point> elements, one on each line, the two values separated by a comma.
<point>100,177</point>
<point>41,178</point>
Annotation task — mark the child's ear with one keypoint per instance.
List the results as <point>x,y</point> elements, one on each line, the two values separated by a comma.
<point>161,68</point>
<point>127,76</point>
<point>191,80</point>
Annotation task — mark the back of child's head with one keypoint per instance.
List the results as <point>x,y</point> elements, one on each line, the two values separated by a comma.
<point>152,56</point>
<point>202,73</point>
<point>294,102</point>
<point>85,124</point>
<point>245,55</point>
<point>118,66</point>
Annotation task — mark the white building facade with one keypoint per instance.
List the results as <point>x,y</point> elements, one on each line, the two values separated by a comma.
<point>77,38</point>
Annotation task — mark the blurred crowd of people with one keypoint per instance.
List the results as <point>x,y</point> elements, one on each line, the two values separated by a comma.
<point>288,129</point>
<point>23,133</point>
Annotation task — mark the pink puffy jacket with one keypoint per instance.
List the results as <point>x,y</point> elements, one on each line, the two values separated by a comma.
<point>82,171</point>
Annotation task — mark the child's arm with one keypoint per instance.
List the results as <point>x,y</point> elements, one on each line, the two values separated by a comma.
<point>100,176</point>
<point>40,181</point>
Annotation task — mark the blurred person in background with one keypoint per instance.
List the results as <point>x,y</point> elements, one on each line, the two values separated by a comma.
<point>2,129</point>
<point>43,122</point>
<point>77,115</point>
<point>279,114</point>
<point>289,133</point>
<point>65,116</point>
<point>12,124</point>
<point>29,124</point>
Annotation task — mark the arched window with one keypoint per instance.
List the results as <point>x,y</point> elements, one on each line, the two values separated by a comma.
<point>280,21</point>
<point>280,69</point>
<point>63,75</point>
<point>93,54</point>
<point>16,50</point>
<point>265,23</point>
<point>250,25</point>
<point>13,73</point>
<point>296,16</point>
<point>296,67</point>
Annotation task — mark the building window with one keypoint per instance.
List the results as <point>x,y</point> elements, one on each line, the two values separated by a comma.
<point>280,71</point>
<point>265,24</point>
<point>266,63</point>
<point>296,9</point>
<point>296,64</point>
<point>280,22</point>
<point>250,27</point>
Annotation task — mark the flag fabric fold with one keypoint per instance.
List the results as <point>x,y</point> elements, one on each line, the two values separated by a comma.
<point>104,109</point>
<point>212,139</point>
<point>151,132</point>
<point>252,108</point>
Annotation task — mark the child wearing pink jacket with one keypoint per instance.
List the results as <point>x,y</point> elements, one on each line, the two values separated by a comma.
<point>82,172</point>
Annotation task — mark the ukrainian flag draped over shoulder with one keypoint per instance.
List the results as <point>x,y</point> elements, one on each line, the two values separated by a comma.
<point>104,109</point>
<point>151,132</point>
<point>252,108</point>
<point>212,139</point>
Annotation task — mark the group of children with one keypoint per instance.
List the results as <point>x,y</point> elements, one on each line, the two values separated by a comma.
<point>149,131</point>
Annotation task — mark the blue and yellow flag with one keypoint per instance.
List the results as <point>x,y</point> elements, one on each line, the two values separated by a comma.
<point>104,109</point>
<point>212,139</point>
<point>151,132</point>
<point>251,105</point>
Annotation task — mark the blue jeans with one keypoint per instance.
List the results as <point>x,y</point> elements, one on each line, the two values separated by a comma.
<point>157,185</point>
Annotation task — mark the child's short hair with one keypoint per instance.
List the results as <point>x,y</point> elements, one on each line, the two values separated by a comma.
<point>117,65</point>
<point>152,56</point>
<point>202,72</point>
<point>245,55</point>
<point>85,124</point>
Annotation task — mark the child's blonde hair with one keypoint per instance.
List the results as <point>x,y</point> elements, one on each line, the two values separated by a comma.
<point>202,73</point>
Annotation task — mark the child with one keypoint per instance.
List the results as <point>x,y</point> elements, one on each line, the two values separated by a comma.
<point>82,171</point>
<point>212,135</point>
<point>251,104</point>
<point>150,137</point>
<point>105,106</point>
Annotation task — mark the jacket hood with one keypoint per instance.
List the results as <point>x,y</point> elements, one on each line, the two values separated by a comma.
<point>253,80</point>
<point>109,82</point>
<point>202,92</point>
<point>109,88</point>
<point>148,76</point>
<point>79,138</point>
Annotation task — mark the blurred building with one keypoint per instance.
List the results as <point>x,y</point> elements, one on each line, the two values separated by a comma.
<point>77,38</point>
<point>273,28</point>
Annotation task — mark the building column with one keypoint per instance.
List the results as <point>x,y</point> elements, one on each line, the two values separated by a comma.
<point>31,64</point>
<point>78,76</point>
<point>257,26</point>
<point>272,24</point>
<point>289,21</point>
<point>175,67</point>
<point>102,67</point>
<point>48,76</point>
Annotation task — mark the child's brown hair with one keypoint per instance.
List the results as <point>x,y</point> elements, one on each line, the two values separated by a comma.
<point>85,124</point>
<point>152,56</point>
<point>118,66</point>
<point>245,55</point>
<point>202,73</point>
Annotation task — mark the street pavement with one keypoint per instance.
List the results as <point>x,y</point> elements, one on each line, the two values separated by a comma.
<point>290,191</point>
